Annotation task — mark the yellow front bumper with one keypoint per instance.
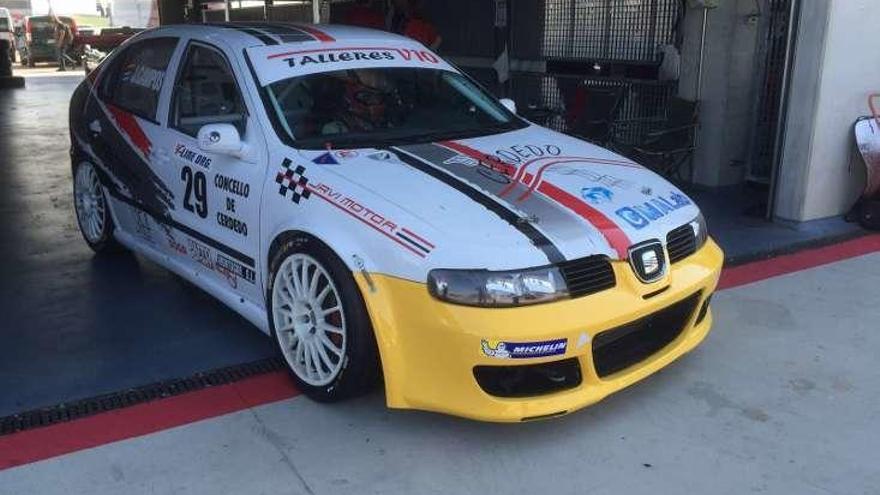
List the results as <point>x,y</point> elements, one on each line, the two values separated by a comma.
<point>429,348</point>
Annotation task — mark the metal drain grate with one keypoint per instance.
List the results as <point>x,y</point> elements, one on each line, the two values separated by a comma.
<point>67,411</point>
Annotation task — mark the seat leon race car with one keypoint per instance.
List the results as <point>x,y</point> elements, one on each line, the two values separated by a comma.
<point>383,217</point>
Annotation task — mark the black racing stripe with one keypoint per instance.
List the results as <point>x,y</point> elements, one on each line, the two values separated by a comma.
<point>265,38</point>
<point>413,242</point>
<point>247,260</point>
<point>535,236</point>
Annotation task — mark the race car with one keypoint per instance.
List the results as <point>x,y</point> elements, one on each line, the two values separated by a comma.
<point>383,217</point>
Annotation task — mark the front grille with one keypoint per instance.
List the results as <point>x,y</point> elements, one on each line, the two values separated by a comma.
<point>624,346</point>
<point>588,275</point>
<point>681,243</point>
<point>529,380</point>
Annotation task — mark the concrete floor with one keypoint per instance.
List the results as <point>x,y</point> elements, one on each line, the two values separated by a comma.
<point>781,399</point>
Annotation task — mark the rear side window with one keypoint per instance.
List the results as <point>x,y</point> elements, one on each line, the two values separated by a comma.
<point>136,78</point>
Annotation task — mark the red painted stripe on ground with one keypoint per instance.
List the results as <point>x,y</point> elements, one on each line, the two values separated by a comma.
<point>93,431</point>
<point>802,260</point>
<point>142,419</point>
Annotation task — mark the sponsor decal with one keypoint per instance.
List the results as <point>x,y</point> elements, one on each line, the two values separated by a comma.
<point>519,153</point>
<point>641,215</point>
<point>490,168</point>
<point>236,188</point>
<point>229,266</point>
<point>524,350</point>
<point>380,156</point>
<point>293,181</point>
<point>230,222</point>
<point>143,76</point>
<point>345,154</point>
<point>144,226</point>
<point>606,180</point>
<point>192,156</point>
<point>305,58</point>
<point>378,221</point>
<point>201,254</point>
<point>232,186</point>
<point>295,185</point>
<point>597,195</point>
<point>326,159</point>
<point>173,244</point>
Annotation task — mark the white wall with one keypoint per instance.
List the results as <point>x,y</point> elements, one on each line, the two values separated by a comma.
<point>727,109</point>
<point>840,41</point>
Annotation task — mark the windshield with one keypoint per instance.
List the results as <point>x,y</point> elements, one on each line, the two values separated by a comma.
<point>384,106</point>
<point>4,24</point>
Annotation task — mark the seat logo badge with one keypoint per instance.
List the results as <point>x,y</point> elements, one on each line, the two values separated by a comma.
<point>648,261</point>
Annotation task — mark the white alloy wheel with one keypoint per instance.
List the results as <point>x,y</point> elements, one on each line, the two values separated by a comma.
<point>91,208</point>
<point>309,319</point>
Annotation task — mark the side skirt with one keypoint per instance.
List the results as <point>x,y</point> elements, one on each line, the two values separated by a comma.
<point>251,311</point>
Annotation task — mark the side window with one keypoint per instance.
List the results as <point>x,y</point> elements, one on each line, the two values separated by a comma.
<point>206,93</point>
<point>136,77</point>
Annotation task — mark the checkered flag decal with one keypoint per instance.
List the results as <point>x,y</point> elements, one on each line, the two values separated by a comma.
<point>294,181</point>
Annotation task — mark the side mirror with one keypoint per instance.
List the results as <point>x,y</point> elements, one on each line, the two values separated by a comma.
<point>509,104</point>
<point>222,139</point>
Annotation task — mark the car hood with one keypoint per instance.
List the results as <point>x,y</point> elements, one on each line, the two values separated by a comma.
<point>524,196</point>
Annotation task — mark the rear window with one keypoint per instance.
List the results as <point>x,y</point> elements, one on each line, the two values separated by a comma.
<point>4,24</point>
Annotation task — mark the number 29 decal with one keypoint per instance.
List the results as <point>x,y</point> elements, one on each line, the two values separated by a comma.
<point>197,185</point>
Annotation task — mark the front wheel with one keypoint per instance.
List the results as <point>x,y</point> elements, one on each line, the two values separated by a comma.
<point>92,212</point>
<point>320,322</point>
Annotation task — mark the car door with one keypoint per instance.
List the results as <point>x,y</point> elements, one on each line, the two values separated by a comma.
<point>121,126</point>
<point>217,194</point>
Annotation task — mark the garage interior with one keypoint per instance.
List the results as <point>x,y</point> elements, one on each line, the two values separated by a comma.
<point>86,334</point>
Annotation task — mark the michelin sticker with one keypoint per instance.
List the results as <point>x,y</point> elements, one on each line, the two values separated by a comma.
<point>524,350</point>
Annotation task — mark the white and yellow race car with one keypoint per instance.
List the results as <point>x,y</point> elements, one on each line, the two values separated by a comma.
<point>379,214</point>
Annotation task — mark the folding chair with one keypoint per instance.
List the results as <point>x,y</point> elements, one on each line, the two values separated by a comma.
<point>669,143</point>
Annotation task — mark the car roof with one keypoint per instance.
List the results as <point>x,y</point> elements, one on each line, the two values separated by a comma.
<point>249,34</point>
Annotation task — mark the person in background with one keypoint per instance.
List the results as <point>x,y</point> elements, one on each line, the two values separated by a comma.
<point>63,40</point>
<point>417,26</point>
<point>364,14</point>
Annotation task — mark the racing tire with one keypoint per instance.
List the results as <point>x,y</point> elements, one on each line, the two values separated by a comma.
<point>92,210</point>
<point>320,322</point>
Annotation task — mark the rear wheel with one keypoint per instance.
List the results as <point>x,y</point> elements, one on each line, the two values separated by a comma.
<point>320,322</point>
<point>92,212</point>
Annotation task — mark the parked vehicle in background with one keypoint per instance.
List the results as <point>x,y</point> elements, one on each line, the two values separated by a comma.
<point>93,45</point>
<point>39,37</point>
<point>6,33</point>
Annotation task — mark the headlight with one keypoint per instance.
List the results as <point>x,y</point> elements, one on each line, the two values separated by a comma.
<point>498,289</point>
<point>701,230</point>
